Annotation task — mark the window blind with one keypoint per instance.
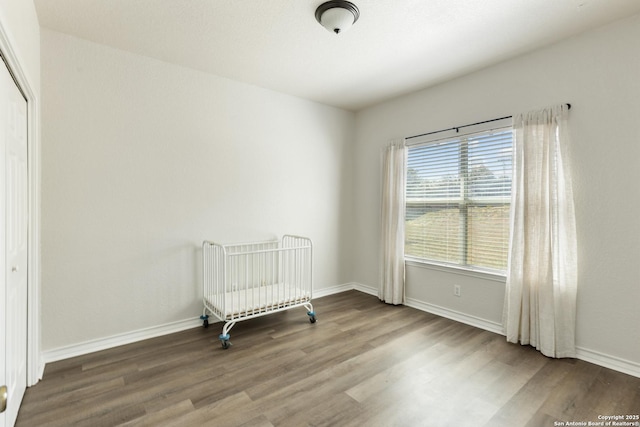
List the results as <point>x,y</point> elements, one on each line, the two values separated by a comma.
<point>458,195</point>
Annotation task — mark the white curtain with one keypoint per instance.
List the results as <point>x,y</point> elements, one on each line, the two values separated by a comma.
<point>393,210</point>
<point>540,302</point>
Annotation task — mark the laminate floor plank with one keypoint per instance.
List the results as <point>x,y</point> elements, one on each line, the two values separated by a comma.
<point>564,399</point>
<point>362,363</point>
<point>232,410</point>
<point>528,400</point>
<point>443,379</point>
<point>64,385</point>
<point>162,416</point>
<point>43,409</point>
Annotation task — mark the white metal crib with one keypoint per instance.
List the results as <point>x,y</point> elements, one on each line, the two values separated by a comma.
<point>243,281</point>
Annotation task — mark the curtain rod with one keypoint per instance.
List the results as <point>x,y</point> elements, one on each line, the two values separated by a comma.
<point>457,128</point>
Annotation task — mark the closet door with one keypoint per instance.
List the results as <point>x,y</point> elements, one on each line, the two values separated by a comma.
<point>13,227</point>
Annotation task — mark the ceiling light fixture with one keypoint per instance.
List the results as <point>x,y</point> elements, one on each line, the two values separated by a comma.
<point>337,16</point>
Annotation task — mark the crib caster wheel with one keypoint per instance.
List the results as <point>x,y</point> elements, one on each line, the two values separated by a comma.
<point>224,340</point>
<point>205,320</point>
<point>312,316</point>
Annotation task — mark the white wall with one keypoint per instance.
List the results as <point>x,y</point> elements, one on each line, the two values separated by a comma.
<point>142,160</point>
<point>598,73</point>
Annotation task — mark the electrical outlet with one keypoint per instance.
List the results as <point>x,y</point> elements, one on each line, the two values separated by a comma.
<point>456,290</point>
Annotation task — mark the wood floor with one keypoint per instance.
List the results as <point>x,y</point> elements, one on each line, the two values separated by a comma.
<point>363,363</point>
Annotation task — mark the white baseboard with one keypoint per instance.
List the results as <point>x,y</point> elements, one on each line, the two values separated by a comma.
<point>344,288</point>
<point>319,293</point>
<point>366,289</point>
<point>591,356</point>
<point>99,344</point>
<point>455,315</point>
<point>41,366</point>
<point>91,346</point>
<point>608,361</point>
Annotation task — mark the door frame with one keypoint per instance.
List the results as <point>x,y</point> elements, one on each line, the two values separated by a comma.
<point>35,367</point>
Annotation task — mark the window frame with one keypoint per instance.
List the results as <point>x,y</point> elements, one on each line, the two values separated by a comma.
<point>463,201</point>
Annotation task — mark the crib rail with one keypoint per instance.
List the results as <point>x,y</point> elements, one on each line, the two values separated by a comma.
<point>252,279</point>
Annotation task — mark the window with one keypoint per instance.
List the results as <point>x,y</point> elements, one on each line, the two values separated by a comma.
<point>458,195</point>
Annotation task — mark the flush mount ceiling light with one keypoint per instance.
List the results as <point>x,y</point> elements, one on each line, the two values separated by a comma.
<point>337,16</point>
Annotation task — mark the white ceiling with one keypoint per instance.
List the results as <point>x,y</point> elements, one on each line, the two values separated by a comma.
<point>397,46</point>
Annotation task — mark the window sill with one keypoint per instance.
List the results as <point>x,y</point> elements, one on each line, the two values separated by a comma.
<point>448,268</point>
